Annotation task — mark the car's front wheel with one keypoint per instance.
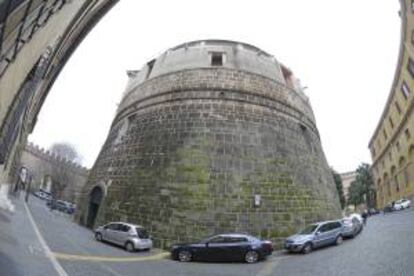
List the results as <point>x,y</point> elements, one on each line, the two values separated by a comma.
<point>251,257</point>
<point>184,256</point>
<point>307,248</point>
<point>339,240</point>
<point>129,247</point>
<point>98,236</point>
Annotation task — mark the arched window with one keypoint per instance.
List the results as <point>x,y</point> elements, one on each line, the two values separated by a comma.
<point>387,184</point>
<point>380,192</point>
<point>403,171</point>
<point>410,166</point>
<point>394,177</point>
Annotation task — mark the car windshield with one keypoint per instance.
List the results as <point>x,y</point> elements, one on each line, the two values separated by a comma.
<point>142,233</point>
<point>309,229</point>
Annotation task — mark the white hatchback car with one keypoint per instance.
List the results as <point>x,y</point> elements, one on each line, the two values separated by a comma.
<point>402,204</point>
<point>132,237</point>
<point>358,216</point>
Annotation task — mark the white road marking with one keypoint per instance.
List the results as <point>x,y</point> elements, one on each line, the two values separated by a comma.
<point>48,253</point>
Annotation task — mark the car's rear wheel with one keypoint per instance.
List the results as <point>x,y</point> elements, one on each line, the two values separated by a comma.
<point>251,257</point>
<point>307,248</point>
<point>129,247</point>
<point>184,256</point>
<point>339,240</point>
<point>98,236</point>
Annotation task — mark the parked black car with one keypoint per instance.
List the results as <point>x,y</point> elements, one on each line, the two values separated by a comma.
<point>224,247</point>
<point>373,211</point>
<point>61,205</point>
<point>388,209</point>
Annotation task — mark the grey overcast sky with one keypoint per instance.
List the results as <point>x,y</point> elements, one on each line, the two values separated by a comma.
<point>345,52</point>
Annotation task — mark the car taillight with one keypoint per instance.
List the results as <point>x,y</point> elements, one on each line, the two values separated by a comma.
<point>268,245</point>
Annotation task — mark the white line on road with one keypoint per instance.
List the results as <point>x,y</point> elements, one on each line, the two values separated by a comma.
<point>48,253</point>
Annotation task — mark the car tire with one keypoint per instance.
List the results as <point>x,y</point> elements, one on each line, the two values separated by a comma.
<point>307,248</point>
<point>98,237</point>
<point>251,257</point>
<point>184,256</point>
<point>339,240</point>
<point>129,246</point>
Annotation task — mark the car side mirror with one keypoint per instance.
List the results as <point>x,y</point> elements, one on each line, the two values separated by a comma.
<point>317,233</point>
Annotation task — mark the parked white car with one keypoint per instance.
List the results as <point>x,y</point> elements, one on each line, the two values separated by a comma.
<point>357,216</point>
<point>402,204</point>
<point>132,237</point>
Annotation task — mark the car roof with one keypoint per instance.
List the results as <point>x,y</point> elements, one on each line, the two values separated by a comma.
<point>324,222</point>
<point>233,235</point>
<point>125,223</point>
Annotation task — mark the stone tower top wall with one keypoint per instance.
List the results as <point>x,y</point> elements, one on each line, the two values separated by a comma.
<point>242,66</point>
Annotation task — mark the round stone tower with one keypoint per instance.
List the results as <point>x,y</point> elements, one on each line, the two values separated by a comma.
<point>212,136</point>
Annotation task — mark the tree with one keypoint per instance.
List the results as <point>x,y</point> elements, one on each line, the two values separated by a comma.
<point>61,170</point>
<point>362,190</point>
<point>355,193</point>
<point>66,150</point>
<point>339,187</point>
<point>364,177</point>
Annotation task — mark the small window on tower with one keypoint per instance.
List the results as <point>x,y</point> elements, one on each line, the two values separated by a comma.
<point>217,59</point>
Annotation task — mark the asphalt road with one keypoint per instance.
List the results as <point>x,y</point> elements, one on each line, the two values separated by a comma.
<point>385,247</point>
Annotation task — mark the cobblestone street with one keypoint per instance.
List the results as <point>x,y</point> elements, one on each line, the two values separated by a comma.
<point>385,247</point>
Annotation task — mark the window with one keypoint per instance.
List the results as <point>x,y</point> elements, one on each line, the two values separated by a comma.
<point>217,59</point>
<point>391,122</point>
<point>398,146</point>
<point>150,65</point>
<point>325,228</point>
<point>124,228</point>
<point>385,134</point>
<point>410,67</point>
<point>407,134</point>
<point>405,90</point>
<point>142,233</point>
<point>397,106</point>
<point>218,239</point>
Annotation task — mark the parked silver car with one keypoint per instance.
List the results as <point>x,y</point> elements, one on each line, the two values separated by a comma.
<point>352,227</point>
<point>132,237</point>
<point>314,236</point>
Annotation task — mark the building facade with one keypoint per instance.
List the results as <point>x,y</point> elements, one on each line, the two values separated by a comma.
<point>37,37</point>
<point>347,178</point>
<point>392,144</point>
<point>212,136</point>
<point>54,174</point>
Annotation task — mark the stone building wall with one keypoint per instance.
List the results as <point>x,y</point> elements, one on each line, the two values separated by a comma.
<point>392,142</point>
<point>36,40</point>
<point>190,150</point>
<point>45,166</point>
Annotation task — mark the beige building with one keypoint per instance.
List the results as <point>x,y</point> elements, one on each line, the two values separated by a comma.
<point>53,173</point>
<point>37,37</point>
<point>392,144</point>
<point>347,178</point>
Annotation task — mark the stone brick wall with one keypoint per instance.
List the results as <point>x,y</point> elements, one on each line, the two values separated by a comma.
<point>188,151</point>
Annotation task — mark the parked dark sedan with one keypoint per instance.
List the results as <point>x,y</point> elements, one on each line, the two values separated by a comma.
<point>225,247</point>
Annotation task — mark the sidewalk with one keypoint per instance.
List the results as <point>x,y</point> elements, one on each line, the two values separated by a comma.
<point>20,250</point>
<point>5,202</point>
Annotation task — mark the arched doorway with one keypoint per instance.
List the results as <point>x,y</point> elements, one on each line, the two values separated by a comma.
<point>95,199</point>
